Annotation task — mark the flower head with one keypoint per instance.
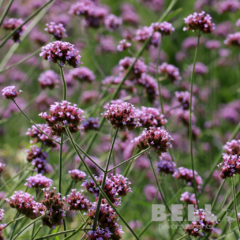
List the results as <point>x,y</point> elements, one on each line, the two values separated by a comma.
<point>188,198</point>
<point>48,79</point>
<point>233,39</point>
<point>112,22</point>
<point>229,166</point>
<point>10,92</point>
<point>199,21</point>
<point>232,148</point>
<point>38,181</point>
<point>100,233</point>
<point>83,74</point>
<point>1,214</point>
<point>213,44</point>
<point>164,28</point>
<point>90,124</point>
<point>62,53</point>
<point>77,175</point>
<point>170,71</point>
<point>56,29</point>
<point>123,45</point>
<point>166,166</point>
<point>63,114</point>
<point>122,115</point>
<point>184,99</point>
<point>228,6</point>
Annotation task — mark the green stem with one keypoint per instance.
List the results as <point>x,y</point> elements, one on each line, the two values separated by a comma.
<point>23,229</point>
<point>103,181</point>
<point>60,166</point>
<point>26,21</point>
<point>235,203</point>
<point>55,234</point>
<point>218,192</point>
<point>182,237</point>
<point>40,227</point>
<point>64,84</point>
<point>190,120</point>
<point>77,230</point>
<point>97,185</point>
<point>5,12</point>
<point>31,121</point>
<point>14,220</point>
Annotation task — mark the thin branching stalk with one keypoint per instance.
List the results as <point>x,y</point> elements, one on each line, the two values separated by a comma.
<point>60,166</point>
<point>38,230</point>
<point>55,234</point>
<point>77,230</point>
<point>64,83</point>
<point>6,12</point>
<point>103,181</point>
<point>14,220</point>
<point>184,236</point>
<point>235,203</point>
<point>190,120</point>
<point>218,192</point>
<point>97,185</point>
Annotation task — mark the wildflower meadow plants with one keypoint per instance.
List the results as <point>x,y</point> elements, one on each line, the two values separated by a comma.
<point>119,119</point>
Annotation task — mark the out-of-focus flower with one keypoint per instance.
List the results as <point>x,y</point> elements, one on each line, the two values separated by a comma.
<point>213,44</point>
<point>170,71</point>
<point>2,166</point>
<point>150,192</point>
<point>62,53</point>
<point>232,148</point>
<point>154,5</point>
<point>112,22</point>
<point>90,124</point>
<point>123,45</point>
<point>228,6</point>
<point>238,23</point>
<point>142,34</point>
<point>233,39</point>
<point>48,79</point>
<point>199,21</point>
<point>164,28</point>
<point>191,42</point>
<point>63,114</point>
<point>77,175</point>
<point>10,92</point>
<point>184,99</point>
<point>35,152</point>
<point>82,74</point>
<point>57,30</point>
<point>188,198</point>
<point>166,165</point>
<point>122,115</point>
<point>200,68</point>
<point>12,24</point>
<point>223,29</point>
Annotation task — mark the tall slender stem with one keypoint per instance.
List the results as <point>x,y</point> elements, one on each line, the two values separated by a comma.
<point>218,192</point>
<point>40,227</point>
<point>190,119</point>
<point>5,12</point>
<point>64,84</point>
<point>103,181</point>
<point>60,166</point>
<point>235,203</point>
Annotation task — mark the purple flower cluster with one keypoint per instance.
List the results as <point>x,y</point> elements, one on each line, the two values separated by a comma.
<point>76,201</point>
<point>199,227</point>
<point>229,166</point>
<point>200,68</point>
<point>122,115</point>
<point>38,136</point>
<point>12,24</point>
<point>233,39</point>
<point>24,204</point>
<point>199,21</point>
<point>123,45</point>
<point>151,117</point>
<point>164,28</point>
<point>228,6</point>
<point>48,79</point>
<point>38,181</point>
<point>184,99</point>
<point>100,233</point>
<point>166,165</point>
<point>170,71</point>
<point>150,192</point>
<point>232,148</point>
<point>63,114</point>
<point>112,22</point>
<point>56,29</point>
<point>62,53</point>
<point>187,175</point>
<point>77,175</point>
<point>213,44</point>
<point>90,124</point>
<point>10,92</point>
<point>83,74</point>
<point>155,137</point>
<point>188,198</point>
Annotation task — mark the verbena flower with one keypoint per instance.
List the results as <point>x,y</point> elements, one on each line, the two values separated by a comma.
<point>229,166</point>
<point>10,92</point>
<point>164,28</point>
<point>55,207</point>
<point>122,116</point>
<point>200,68</point>
<point>62,53</point>
<point>228,6</point>
<point>36,152</point>
<point>24,204</point>
<point>112,22</point>
<point>184,99</point>
<point>151,117</point>
<point>213,44</point>
<point>100,233</point>
<point>41,165</point>
<point>150,192</point>
<point>142,34</point>
<point>56,29</point>
<point>77,201</point>
<point>199,227</point>
<point>77,175</point>
<point>90,124</point>
<point>232,147</point>
<point>1,214</point>
<point>123,45</point>
<point>63,114</point>
<point>12,24</point>
<point>38,181</point>
<point>48,79</point>
<point>83,74</point>
<point>38,136</point>
<point>187,175</point>
<point>199,21</point>
<point>166,166</point>
<point>188,198</point>
<point>170,71</point>
<point>233,39</point>
<point>121,184</point>
<point>238,23</point>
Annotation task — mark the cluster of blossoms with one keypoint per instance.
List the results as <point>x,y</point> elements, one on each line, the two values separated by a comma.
<point>10,92</point>
<point>56,29</point>
<point>199,21</point>
<point>200,68</point>
<point>48,79</point>
<point>151,117</point>
<point>122,115</point>
<point>188,198</point>
<point>166,165</point>
<point>90,124</point>
<point>1,214</point>
<point>24,204</point>
<point>233,39</point>
<point>112,22</point>
<point>184,99</point>
<point>77,175</point>
<point>82,74</point>
<point>187,175</point>
<point>100,233</point>
<point>165,28</point>
<point>12,24</point>
<point>39,181</point>
<point>76,201</point>
<point>170,71</point>
<point>55,208</point>
<point>232,148</point>
<point>63,114</point>
<point>213,44</point>
<point>39,136</point>
<point>155,137</point>
<point>62,53</point>
<point>123,45</point>
<point>203,225</point>
<point>228,6</point>
<point>150,191</point>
